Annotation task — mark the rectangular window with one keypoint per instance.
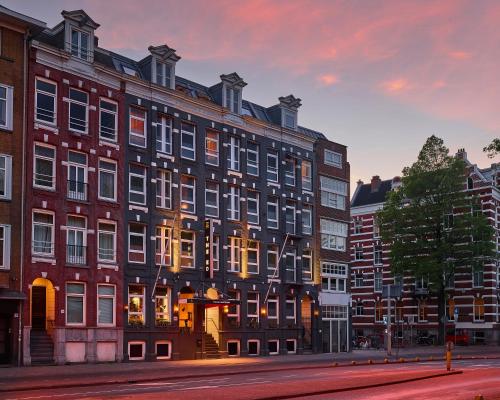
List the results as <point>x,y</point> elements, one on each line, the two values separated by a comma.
<point>290,168</point>
<point>307,219</point>
<point>358,280</point>
<point>377,254</point>
<point>233,315</point>
<point>290,309</point>
<point>253,159</point>
<point>253,207</point>
<point>164,135</point>
<point>272,166</point>
<point>188,141</point>
<point>43,233</point>
<point>333,193</point>
<point>273,311</point>
<point>273,212</point>
<point>359,309</point>
<point>379,311</point>
<point>233,199</point>
<point>291,265</point>
<point>187,249</point>
<point>44,167</point>
<point>136,305</point>
<point>78,110</point>
<point>253,257</point>
<point>75,303</point>
<point>211,148</point>
<point>211,199</point>
<point>289,120</point>
<point>5,247</point>
<point>376,228</point>
<point>45,101</point>
<point>108,120</point>
<point>137,184</point>
<point>6,106</point>
<point>358,226</point>
<point>253,305</point>
<point>422,311</point>
<point>216,252</point>
<point>163,253</point>
<point>162,306</point>
<point>163,74</point>
<point>188,194</point>
<point>290,217</point>
<point>333,234</point>
<point>136,243</point>
<point>378,281</point>
<point>333,277</point>
<point>106,299</point>
<point>77,176</point>
<point>5,177</point>
<point>272,261</point>
<point>163,189</point>
<point>306,175</point>
<point>80,44</point>
<point>233,154</point>
<point>358,252</point>
<point>234,254</point>
<point>307,265</point>
<point>106,241</point>
<point>332,158</point>
<point>478,309</point>
<point>107,179</point>
<point>76,240</point>
<point>478,276</point>
<point>137,127</point>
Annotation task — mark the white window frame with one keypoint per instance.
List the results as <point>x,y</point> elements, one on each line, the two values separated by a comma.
<point>137,342</point>
<point>142,298</point>
<point>336,238</point>
<point>274,299</point>
<point>257,252</point>
<point>143,236</point>
<point>272,170</point>
<point>256,302</point>
<point>358,252</point>
<point>188,183</point>
<point>253,165</point>
<point>290,175</point>
<point>52,160</point>
<point>107,171</point>
<point>106,296</point>
<point>307,217</point>
<point>185,148</point>
<point>254,198</point>
<point>211,157</point>
<point>336,275</point>
<point>233,153</point>
<point>52,228</point>
<point>141,139</point>
<point>234,254</point>
<point>258,347</point>
<point>237,341</point>
<point>292,301</point>
<point>143,176</point>
<point>5,245</point>
<point>76,231</point>
<point>164,135</point>
<point>378,281</point>
<point>307,274</point>
<point>378,254</point>
<point>293,207</point>
<point>478,318</point>
<point>294,341</point>
<point>277,352</point>
<point>169,356</point>
<point>306,174</point>
<point>114,113</point>
<point>106,232</point>
<point>333,158</point>
<point>192,256</point>
<point>210,209</point>
<point>78,103</point>
<point>166,73</point>
<point>84,305</point>
<point>164,250</point>
<point>78,167</point>
<point>163,189</point>
<point>7,172</point>
<point>273,223</point>
<point>168,312</point>
<point>48,94</point>
<point>333,192</point>
<point>291,254</point>
<point>234,203</point>
<point>216,252</point>
<point>9,105</point>
<point>77,52</point>
<point>274,250</point>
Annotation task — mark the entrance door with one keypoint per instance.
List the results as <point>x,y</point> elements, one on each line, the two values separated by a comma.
<point>306,323</point>
<point>4,339</point>
<point>335,336</point>
<point>38,307</point>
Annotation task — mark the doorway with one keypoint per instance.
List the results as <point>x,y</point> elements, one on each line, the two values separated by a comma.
<point>212,315</point>
<point>335,335</point>
<point>306,313</point>
<point>5,339</point>
<point>38,307</point>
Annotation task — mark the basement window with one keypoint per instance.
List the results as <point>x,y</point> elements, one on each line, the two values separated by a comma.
<point>233,348</point>
<point>163,349</point>
<point>291,346</point>
<point>136,350</point>
<point>253,347</point>
<point>273,346</point>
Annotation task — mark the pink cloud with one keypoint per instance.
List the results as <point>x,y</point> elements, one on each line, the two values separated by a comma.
<point>327,79</point>
<point>396,85</point>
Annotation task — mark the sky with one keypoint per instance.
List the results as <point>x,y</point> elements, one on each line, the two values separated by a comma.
<point>377,76</point>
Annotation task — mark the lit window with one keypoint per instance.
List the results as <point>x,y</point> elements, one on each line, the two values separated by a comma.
<point>78,110</point>
<point>45,101</point>
<point>234,254</point>
<point>253,159</point>
<point>136,243</point>
<point>108,120</point>
<point>211,199</point>
<point>76,240</point>
<point>43,233</point>
<point>106,241</point>
<point>137,127</point>
<point>306,175</point>
<point>379,311</point>
<point>273,212</point>
<point>188,194</point>
<point>422,310</point>
<point>136,305</point>
<point>332,158</point>
<point>44,167</point>
<point>80,44</point>
<point>75,304</point>
<point>163,189</point>
<point>162,306</point>
<point>212,148</point>
<point>6,100</point>
<point>163,246</point>
<point>188,141</point>
<point>272,166</point>
<point>107,179</point>
<point>5,246</point>
<point>137,184</point>
<point>253,257</point>
<point>164,136</point>
<point>253,207</point>
<point>106,305</point>
<point>5,177</point>
<point>187,249</point>
<point>333,193</point>
<point>333,234</point>
<point>234,203</point>
<point>233,160</point>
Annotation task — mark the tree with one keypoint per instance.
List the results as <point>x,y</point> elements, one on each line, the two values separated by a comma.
<point>433,226</point>
<point>493,148</point>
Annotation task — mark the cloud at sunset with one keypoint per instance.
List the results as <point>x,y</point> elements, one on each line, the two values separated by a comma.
<point>327,79</point>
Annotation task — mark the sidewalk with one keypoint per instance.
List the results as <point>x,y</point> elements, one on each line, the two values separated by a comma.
<point>38,377</point>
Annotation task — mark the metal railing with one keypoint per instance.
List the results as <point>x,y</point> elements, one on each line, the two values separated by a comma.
<point>106,255</point>
<point>77,190</point>
<point>43,248</point>
<point>76,254</point>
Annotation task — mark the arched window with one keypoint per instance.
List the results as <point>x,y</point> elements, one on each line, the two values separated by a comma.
<point>478,309</point>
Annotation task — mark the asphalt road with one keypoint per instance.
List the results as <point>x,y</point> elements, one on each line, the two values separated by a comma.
<point>478,377</point>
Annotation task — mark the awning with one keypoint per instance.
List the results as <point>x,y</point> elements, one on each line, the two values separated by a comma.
<point>8,294</point>
<point>210,302</point>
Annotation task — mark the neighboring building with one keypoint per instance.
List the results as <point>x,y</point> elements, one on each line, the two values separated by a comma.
<point>74,226</point>
<point>15,28</point>
<point>474,293</point>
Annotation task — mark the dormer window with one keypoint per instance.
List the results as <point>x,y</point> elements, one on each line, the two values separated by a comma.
<point>232,86</point>
<point>162,62</point>
<point>289,120</point>
<point>79,44</point>
<point>163,74</point>
<point>79,34</point>
<point>233,100</point>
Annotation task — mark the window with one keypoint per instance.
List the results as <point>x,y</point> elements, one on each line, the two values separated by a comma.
<point>234,254</point>
<point>379,311</point>
<point>107,179</point>
<point>212,148</point>
<point>163,189</point>
<point>163,74</point>
<point>377,254</point>
<point>78,110</point>
<point>137,184</point>
<point>333,193</point>
<point>5,177</point>
<point>253,257</point>
<point>187,249</point>
<point>290,215</point>
<point>307,265</point>
<point>378,281</point>
<point>215,254</point>
<point>290,167</point>
<point>422,283</point>
<point>478,309</point>
<point>332,158</point>
<point>306,175</point>
<point>253,207</point>
<point>163,252</point>
<point>359,309</point>
<point>451,310</point>
<point>273,347</point>
<point>44,167</point>
<point>478,276</point>
<point>289,119</point>
<point>291,265</point>
<point>136,305</point>
<point>162,306</point>
<point>272,212</point>
<point>253,159</point>
<point>253,347</point>
<point>164,136</point>
<point>307,219</point>
<point>136,350</point>
<point>211,199</point>
<point>188,141</point>
<point>105,305</point>
<point>333,234</point>
<point>448,221</point>
<point>106,241</point>
<point>5,246</point>
<point>358,251</point>
<point>333,277</point>
<point>470,183</point>
<point>80,44</point>
<point>422,310</point>
<point>76,240</point>
<point>233,314</point>
<point>75,304</point>
<point>272,166</point>
<point>290,309</point>
<point>273,311</point>
<point>137,127</point>
<point>188,194</point>
<point>232,99</point>
<point>136,243</point>
<point>45,101</point>
<point>376,228</point>
<point>233,203</point>
<point>108,122</point>
<point>43,233</point>
<point>358,226</point>
<point>6,105</point>
<point>334,312</point>
<point>77,176</point>
<point>163,349</point>
<point>272,260</point>
<point>233,154</point>
<point>253,306</point>
<point>358,280</point>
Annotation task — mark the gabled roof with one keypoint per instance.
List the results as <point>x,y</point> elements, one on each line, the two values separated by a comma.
<point>164,52</point>
<point>233,79</point>
<point>290,101</point>
<point>81,17</point>
<point>364,195</point>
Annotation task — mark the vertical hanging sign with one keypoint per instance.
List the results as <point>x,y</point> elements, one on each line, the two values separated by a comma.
<point>209,249</point>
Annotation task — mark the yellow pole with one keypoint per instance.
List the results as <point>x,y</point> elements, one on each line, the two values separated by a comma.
<point>448,356</point>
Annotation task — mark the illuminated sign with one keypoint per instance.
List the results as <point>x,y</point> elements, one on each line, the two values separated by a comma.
<point>209,249</point>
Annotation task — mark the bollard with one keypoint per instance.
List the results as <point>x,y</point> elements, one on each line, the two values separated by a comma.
<point>417,359</point>
<point>448,356</point>
<point>335,364</point>
<point>386,360</point>
<point>370,362</point>
<point>401,360</point>
<point>478,397</point>
<point>353,362</point>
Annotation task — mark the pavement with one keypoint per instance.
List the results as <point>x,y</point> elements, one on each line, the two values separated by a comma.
<point>81,375</point>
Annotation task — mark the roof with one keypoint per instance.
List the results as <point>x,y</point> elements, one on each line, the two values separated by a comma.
<point>364,195</point>
<point>34,24</point>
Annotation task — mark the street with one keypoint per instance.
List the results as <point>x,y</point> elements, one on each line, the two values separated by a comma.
<point>473,377</point>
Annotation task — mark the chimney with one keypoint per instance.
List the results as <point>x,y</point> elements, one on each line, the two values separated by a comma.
<point>396,182</point>
<point>461,154</point>
<point>359,182</point>
<point>375,183</point>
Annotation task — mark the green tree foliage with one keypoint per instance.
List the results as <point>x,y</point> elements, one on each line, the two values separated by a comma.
<point>493,148</point>
<point>433,225</point>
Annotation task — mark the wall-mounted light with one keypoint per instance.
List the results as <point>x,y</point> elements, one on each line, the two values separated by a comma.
<point>176,309</point>
<point>316,312</point>
<point>263,311</point>
<point>226,309</point>
<point>125,307</point>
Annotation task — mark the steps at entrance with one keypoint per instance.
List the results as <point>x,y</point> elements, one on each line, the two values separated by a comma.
<point>41,348</point>
<point>211,346</point>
